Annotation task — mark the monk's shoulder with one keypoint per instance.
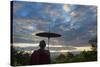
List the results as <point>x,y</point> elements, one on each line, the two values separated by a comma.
<point>47,51</point>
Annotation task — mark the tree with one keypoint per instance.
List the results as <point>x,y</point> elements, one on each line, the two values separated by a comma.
<point>69,55</point>
<point>93,43</point>
<point>61,56</point>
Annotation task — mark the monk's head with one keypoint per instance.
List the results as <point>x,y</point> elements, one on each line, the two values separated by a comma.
<point>42,44</point>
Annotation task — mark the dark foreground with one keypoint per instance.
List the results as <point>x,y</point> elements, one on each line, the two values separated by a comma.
<point>20,58</point>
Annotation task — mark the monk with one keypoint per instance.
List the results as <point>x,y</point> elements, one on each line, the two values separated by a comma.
<point>40,56</point>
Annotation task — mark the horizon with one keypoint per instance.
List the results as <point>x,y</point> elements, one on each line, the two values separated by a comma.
<point>52,48</point>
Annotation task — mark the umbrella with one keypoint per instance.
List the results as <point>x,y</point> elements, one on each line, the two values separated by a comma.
<point>48,35</point>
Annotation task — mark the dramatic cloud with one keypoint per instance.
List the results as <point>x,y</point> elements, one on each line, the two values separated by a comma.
<point>76,23</point>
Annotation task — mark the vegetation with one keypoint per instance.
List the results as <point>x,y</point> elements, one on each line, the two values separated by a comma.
<point>84,56</point>
<point>21,58</point>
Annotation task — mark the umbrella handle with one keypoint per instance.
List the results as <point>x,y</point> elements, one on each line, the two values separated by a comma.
<point>48,42</point>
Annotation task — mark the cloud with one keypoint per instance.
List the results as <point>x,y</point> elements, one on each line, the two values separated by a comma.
<point>37,31</point>
<point>30,21</point>
<point>65,28</point>
<point>71,21</point>
<point>27,27</point>
<point>73,14</point>
<point>93,8</point>
<point>17,6</point>
<point>66,7</point>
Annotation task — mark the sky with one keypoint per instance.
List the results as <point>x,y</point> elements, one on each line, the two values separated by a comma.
<point>76,24</point>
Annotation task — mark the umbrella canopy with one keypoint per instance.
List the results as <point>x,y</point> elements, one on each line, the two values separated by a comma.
<point>48,35</point>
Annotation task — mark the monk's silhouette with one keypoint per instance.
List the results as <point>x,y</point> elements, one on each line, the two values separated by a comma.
<point>40,56</point>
